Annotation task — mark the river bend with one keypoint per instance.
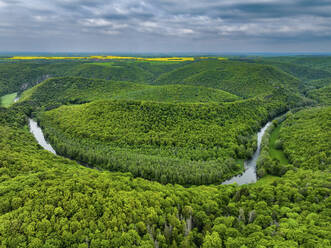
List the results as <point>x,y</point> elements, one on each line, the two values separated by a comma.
<point>248,176</point>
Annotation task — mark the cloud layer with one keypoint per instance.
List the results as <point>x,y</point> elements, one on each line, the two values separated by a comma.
<point>165,25</point>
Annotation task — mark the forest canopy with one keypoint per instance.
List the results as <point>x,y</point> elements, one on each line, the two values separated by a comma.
<point>160,138</point>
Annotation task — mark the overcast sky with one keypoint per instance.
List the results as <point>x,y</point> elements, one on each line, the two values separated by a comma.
<point>214,26</point>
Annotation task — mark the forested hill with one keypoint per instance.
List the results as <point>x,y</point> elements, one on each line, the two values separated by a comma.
<point>314,62</point>
<point>18,76</point>
<point>239,78</point>
<point>66,90</point>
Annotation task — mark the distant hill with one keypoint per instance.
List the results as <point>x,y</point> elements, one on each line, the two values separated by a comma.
<point>178,93</point>
<point>124,72</point>
<point>315,62</point>
<point>239,78</point>
<point>19,76</point>
<point>322,95</point>
<point>303,72</point>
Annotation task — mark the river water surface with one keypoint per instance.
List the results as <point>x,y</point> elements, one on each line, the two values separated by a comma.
<point>39,135</point>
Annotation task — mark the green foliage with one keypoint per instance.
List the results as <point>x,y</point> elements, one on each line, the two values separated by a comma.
<point>171,143</point>
<point>272,160</point>
<point>57,91</point>
<point>117,72</point>
<point>7,100</point>
<point>322,95</point>
<point>49,201</point>
<point>65,90</point>
<point>178,93</point>
<point>276,145</point>
<point>19,76</point>
<point>306,138</point>
<point>182,143</point>
<point>302,72</point>
<point>239,78</point>
<point>314,62</point>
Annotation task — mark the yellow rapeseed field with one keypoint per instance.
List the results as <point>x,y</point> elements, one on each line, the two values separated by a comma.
<point>161,59</point>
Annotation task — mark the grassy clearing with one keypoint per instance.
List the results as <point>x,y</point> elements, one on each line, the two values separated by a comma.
<point>274,152</point>
<point>7,100</point>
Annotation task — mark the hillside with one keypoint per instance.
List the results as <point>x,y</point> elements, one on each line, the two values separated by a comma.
<point>116,72</point>
<point>179,93</point>
<point>239,78</point>
<point>322,95</point>
<point>301,71</point>
<point>305,138</point>
<point>16,77</point>
<point>65,90</point>
<point>19,76</point>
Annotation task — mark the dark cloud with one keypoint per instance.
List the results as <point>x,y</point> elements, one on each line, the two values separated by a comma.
<point>165,25</point>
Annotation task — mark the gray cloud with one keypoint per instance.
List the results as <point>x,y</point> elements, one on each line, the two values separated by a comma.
<point>165,25</point>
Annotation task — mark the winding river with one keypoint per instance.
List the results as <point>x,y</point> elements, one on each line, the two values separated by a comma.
<point>249,175</point>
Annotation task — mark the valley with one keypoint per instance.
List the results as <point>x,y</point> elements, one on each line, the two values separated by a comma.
<point>120,152</point>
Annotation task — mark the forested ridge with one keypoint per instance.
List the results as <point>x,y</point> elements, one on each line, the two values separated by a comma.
<point>67,90</point>
<point>18,76</point>
<point>239,78</point>
<point>179,134</point>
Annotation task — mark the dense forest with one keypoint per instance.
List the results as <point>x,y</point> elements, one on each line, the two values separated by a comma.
<point>239,78</point>
<point>305,138</point>
<point>65,90</point>
<point>17,76</point>
<point>138,142</point>
<point>182,143</point>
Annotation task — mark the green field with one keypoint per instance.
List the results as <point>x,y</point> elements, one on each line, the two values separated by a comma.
<point>7,100</point>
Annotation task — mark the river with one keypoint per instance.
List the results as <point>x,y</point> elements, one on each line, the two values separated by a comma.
<point>249,175</point>
<point>39,136</point>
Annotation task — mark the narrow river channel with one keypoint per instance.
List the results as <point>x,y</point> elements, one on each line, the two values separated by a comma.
<point>249,175</point>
